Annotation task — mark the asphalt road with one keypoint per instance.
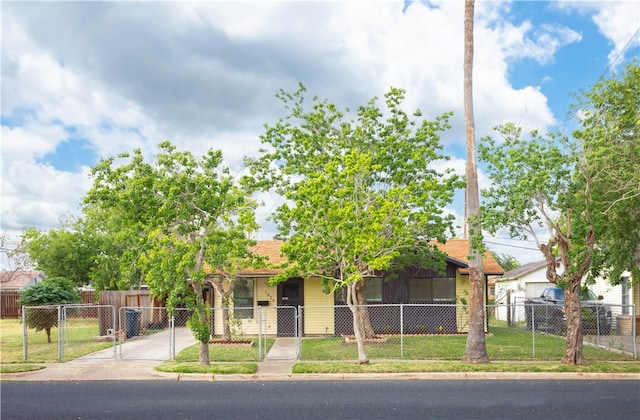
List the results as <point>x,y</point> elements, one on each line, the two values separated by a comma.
<point>459,399</point>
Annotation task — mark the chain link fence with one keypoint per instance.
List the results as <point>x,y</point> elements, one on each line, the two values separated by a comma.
<point>393,332</point>
<point>439,332</point>
<point>67,331</point>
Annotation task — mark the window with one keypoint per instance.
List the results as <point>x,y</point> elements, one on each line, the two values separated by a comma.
<point>444,290</point>
<point>427,290</point>
<point>374,290</point>
<point>243,298</point>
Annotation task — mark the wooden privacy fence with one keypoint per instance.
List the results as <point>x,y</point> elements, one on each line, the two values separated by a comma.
<point>9,307</point>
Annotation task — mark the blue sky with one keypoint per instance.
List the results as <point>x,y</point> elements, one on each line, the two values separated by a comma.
<point>87,80</point>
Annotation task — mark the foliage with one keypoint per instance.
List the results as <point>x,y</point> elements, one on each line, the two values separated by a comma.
<point>608,141</point>
<point>361,196</point>
<point>507,262</point>
<point>62,252</point>
<point>584,191</point>
<point>534,186</point>
<point>51,291</point>
<point>180,218</point>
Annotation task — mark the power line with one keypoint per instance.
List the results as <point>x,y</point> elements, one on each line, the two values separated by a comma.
<point>621,51</point>
<point>512,246</point>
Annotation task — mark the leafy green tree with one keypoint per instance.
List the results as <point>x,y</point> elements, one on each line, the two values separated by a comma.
<point>181,218</point>
<point>51,291</point>
<point>535,192</point>
<point>584,191</point>
<point>361,197</point>
<point>608,138</point>
<point>62,252</point>
<point>507,262</point>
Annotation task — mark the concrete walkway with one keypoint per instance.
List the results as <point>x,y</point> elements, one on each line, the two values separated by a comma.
<point>280,359</point>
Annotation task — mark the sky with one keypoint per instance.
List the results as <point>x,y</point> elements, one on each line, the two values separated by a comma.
<point>83,81</point>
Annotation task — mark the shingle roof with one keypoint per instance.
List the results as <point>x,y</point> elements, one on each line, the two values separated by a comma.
<point>271,250</point>
<point>457,249</point>
<point>18,279</point>
<point>524,269</point>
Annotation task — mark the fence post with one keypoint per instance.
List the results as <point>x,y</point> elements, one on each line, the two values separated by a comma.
<point>634,332</point>
<point>60,345</point>
<point>533,330</point>
<point>172,327</point>
<point>401,331</point>
<point>299,331</point>
<point>259,310</point>
<point>24,333</point>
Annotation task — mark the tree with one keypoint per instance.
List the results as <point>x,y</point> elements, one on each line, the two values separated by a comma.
<point>62,252</point>
<point>507,262</point>
<point>608,139</point>
<point>182,218</point>
<point>476,349</point>
<point>584,190</point>
<point>533,186</point>
<point>51,291</point>
<point>360,196</point>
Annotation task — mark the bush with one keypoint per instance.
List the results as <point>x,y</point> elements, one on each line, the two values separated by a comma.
<point>53,291</point>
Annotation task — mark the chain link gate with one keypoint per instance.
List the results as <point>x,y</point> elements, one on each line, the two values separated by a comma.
<point>80,330</point>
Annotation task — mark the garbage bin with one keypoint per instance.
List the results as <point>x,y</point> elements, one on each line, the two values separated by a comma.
<point>133,322</point>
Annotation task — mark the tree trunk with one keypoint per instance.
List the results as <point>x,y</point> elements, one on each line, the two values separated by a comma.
<point>202,312</point>
<point>353,303</point>
<point>476,350</point>
<point>48,331</point>
<point>364,319</point>
<point>204,354</point>
<point>573,346</point>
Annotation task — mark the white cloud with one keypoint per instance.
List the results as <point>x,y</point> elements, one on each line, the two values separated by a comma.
<point>619,21</point>
<point>204,75</point>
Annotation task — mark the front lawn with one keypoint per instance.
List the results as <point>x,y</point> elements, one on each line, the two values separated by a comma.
<point>502,344</point>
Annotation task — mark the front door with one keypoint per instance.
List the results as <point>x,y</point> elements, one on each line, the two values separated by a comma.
<point>290,296</point>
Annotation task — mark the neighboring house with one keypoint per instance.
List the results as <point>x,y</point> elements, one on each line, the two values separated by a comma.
<point>11,284</point>
<point>322,317</point>
<point>530,280</point>
<point>17,280</point>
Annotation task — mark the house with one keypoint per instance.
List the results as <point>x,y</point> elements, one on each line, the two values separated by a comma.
<point>11,284</point>
<point>17,280</point>
<point>530,280</point>
<point>322,316</point>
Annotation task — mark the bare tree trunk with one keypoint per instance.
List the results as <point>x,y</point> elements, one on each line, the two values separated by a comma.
<point>48,331</point>
<point>364,318</point>
<point>476,350</point>
<point>573,348</point>
<point>558,247</point>
<point>353,303</point>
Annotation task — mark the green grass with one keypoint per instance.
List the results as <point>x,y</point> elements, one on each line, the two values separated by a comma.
<point>214,368</point>
<point>449,366</point>
<point>502,344</point>
<point>224,353</point>
<point>15,368</point>
<point>79,341</point>
<point>235,359</point>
